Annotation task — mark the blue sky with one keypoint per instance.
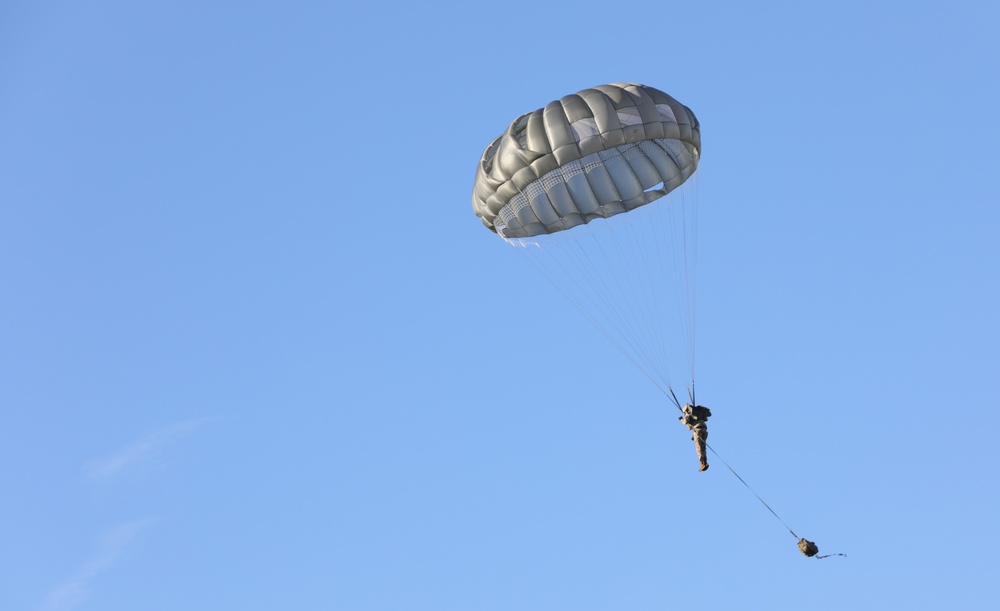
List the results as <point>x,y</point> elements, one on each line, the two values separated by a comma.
<point>249,357</point>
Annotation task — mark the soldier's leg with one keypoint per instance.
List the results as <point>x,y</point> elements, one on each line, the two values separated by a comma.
<point>700,441</point>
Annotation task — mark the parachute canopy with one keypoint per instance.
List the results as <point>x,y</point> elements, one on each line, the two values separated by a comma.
<point>594,154</point>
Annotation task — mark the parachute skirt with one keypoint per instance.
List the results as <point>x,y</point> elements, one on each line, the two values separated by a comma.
<point>599,185</point>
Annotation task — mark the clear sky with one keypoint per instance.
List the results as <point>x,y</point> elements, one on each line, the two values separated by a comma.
<point>249,356</point>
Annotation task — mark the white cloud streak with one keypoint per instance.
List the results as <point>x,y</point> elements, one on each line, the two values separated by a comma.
<point>135,452</point>
<point>113,543</point>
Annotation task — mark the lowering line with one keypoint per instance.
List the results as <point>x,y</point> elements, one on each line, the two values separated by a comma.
<point>805,546</point>
<point>763,502</point>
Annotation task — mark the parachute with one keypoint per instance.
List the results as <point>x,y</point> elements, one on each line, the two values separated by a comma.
<point>580,186</point>
<point>598,189</point>
<point>594,154</point>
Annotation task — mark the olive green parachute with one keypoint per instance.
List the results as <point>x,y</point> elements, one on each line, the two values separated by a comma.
<point>603,154</point>
<point>594,154</point>
<point>574,186</point>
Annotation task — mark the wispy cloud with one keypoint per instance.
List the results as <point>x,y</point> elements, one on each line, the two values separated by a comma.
<point>135,452</point>
<point>113,543</point>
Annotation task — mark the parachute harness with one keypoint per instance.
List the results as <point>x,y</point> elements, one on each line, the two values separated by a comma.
<point>805,546</point>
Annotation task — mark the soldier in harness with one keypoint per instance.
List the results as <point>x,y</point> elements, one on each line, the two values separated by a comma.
<point>696,419</point>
